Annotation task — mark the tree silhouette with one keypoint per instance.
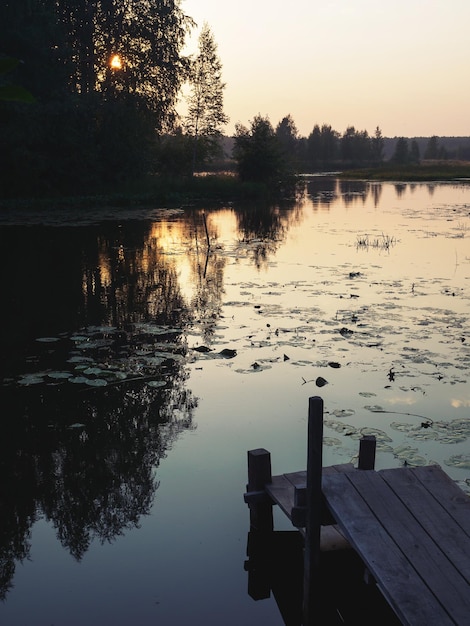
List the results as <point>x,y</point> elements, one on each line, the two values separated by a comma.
<point>258,153</point>
<point>205,117</point>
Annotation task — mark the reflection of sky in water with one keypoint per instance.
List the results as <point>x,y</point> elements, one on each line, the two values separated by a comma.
<point>407,305</point>
<point>408,309</point>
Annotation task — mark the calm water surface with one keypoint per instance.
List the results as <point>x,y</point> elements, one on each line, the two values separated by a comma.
<point>138,368</point>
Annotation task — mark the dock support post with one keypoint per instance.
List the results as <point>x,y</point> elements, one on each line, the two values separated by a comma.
<point>259,474</point>
<point>367,447</point>
<point>314,503</point>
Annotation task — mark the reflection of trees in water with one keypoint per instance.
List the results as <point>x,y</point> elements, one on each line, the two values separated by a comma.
<point>322,190</point>
<point>85,457</point>
<point>376,191</point>
<point>353,190</point>
<point>85,460</point>
<point>400,189</point>
<point>207,265</point>
<point>127,277</point>
<point>262,228</point>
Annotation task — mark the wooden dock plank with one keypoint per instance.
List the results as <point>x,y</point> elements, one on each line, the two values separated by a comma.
<point>281,488</point>
<point>404,589</point>
<point>424,554</point>
<point>433,515</point>
<point>457,503</point>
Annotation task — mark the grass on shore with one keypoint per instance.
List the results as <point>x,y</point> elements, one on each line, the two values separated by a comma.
<point>426,171</point>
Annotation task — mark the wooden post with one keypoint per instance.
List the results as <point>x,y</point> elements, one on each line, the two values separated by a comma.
<point>259,474</point>
<point>314,499</point>
<point>367,447</point>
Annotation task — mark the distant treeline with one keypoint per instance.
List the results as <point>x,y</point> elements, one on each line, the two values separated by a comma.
<point>450,147</point>
<point>324,148</point>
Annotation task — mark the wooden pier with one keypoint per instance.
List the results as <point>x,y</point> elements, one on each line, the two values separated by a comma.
<point>409,526</point>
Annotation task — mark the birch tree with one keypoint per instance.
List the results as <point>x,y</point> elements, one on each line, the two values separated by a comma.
<point>205,117</point>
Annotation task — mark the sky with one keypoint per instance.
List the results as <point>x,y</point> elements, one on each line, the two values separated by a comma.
<point>401,65</point>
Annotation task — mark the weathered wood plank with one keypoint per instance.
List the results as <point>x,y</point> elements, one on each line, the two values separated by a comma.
<point>433,515</point>
<point>281,488</point>
<point>443,488</point>
<point>423,553</point>
<point>402,587</point>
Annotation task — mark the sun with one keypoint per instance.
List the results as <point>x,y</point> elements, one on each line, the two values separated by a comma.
<point>116,63</point>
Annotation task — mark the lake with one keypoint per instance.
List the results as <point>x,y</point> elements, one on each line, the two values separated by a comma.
<point>140,364</point>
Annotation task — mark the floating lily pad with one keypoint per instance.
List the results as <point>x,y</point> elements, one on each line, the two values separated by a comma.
<point>254,367</point>
<point>59,375</point>
<point>77,425</point>
<point>320,381</point>
<point>94,371</point>
<point>334,365</point>
<point>331,441</point>
<point>461,461</point>
<point>343,412</point>
<point>31,379</point>
<point>342,428</point>
<point>80,359</point>
<point>48,339</point>
<point>96,382</point>
<point>378,434</point>
<point>79,380</point>
<point>227,353</point>
<point>375,408</point>
<point>409,455</point>
<point>156,383</point>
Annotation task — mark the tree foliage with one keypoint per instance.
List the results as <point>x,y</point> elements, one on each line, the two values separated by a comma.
<point>401,154</point>
<point>258,152</point>
<point>205,117</point>
<point>288,138</point>
<point>92,121</point>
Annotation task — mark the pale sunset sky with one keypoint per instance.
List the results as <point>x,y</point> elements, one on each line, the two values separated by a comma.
<point>402,65</point>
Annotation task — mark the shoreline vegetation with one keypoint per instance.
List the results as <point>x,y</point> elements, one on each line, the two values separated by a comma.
<point>225,187</point>
<point>426,171</point>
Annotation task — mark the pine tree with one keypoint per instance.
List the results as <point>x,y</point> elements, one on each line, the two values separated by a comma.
<point>205,116</point>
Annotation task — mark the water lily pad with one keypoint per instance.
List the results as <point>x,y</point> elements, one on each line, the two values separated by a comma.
<point>461,461</point>
<point>59,375</point>
<point>96,382</point>
<point>343,412</point>
<point>77,425</point>
<point>342,428</point>
<point>228,353</point>
<point>254,367</point>
<point>334,364</point>
<point>375,408</point>
<point>31,379</point>
<point>378,434</point>
<point>320,381</point>
<point>367,394</point>
<point>402,426</point>
<point>451,437</point>
<point>156,383</point>
<point>96,371</point>
<point>331,441</point>
<point>79,380</point>
<point>48,339</point>
<point>80,359</point>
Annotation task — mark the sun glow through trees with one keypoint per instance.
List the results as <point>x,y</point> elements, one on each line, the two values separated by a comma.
<point>116,63</point>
